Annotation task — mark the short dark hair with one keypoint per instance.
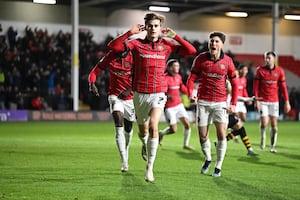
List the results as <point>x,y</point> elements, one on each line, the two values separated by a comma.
<point>152,16</point>
<point>171,61</point>
<point>218,34</point>
<point>270,53</point>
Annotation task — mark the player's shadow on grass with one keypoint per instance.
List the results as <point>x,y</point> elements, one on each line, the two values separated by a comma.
<point>189,154</point>
<point>258,161</point>
<point>239,190</point>
<point>186,154</point>
<point>138,189</point>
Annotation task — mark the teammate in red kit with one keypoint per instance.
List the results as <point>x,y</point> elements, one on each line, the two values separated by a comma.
<point>119,97</point>
<point>212,68</point>
<point>243,96</point>
<point>174,108</point>
<point>268,80</point>
<point>150,56</point>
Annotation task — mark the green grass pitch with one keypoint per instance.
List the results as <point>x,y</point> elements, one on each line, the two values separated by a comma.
<point>80,161</point>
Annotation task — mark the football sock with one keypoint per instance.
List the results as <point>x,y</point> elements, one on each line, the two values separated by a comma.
<point>205,146</point>
<point>230,136</point>
<point>121,143</point>
<point>128,137</point>
<point>273,136</point>
<point>186,137</point>
<point>262,137</point>
<point>152,145</point>
<point>244,137</point>
<point>221,151</point>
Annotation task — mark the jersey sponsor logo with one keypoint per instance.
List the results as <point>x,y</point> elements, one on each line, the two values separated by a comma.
<point>155,56</point>
<point>174,87</point>
<point>213,75</point>
<point>270,81</point>
<point>121,73</point>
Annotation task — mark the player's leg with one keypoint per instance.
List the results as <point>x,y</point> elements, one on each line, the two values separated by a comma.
<point>186,133</point>
<point>170,116</point>
<point>220,118</point>
<point>273,134</point>
<point>158,101</point>
<point>117,111</point>
<point>120,138</point>
<point>129,118</point>
<point>264,120</point>
<point>239,129</point>
<point>203,122</point>
<point>184,119</point>
<point>142,110</point>
<point>274,114</point>
<point>221,147</point>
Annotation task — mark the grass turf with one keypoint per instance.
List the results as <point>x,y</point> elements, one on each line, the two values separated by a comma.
<point>79,160</point>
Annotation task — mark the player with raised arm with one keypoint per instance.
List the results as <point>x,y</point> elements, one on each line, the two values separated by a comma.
<point>119,97</point>
<point>150,55</point>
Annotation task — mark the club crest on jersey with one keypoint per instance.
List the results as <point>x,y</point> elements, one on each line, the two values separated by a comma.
<point>160,48</point>
<point>127,65</point>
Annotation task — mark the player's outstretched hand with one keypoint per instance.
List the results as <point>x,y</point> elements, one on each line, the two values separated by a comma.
<point>93,89</point>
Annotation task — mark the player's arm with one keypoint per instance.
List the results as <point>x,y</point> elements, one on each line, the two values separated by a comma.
<point>92,79</point>
<point>185,47</point>
<point>283,88</point>
<point>118,44</point>
<point>190,87</point>
<point>255,92</point>
<point>105,61</point>
<point>184,89</point>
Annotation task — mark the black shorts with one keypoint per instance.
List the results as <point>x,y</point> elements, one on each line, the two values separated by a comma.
<point>233,120</point>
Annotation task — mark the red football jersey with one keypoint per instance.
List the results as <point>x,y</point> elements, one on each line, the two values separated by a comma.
<point>212,77</point>
<point>242,86</point>
<point>119,71</point>
<point>150,59</point>
<point>174,88</point>
<point>267,83</point>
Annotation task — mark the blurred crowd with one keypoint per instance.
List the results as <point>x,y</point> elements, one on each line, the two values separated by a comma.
<point>35,70</point>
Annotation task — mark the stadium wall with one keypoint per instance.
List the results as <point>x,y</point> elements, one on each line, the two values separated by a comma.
<point>97,116</point>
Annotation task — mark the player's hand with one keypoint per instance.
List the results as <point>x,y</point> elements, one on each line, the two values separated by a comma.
<point>231,109</point>
<point>93,89</point>
<point>287,107</point>
<point>169,32</point>
<point>193,99</point>
<point>256,98</point>
<point>125,93</point>
<point>137,29</point>
<point>257,105</point>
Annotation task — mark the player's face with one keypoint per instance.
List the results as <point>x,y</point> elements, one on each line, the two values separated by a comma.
<point>174,69</point>
<point>215,46</point>
<point>153,28</point>
<point>243,71</point>
<point>270,60</point>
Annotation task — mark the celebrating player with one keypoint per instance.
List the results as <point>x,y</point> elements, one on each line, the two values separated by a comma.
<point>150,55</point>
<point>212,68</point>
